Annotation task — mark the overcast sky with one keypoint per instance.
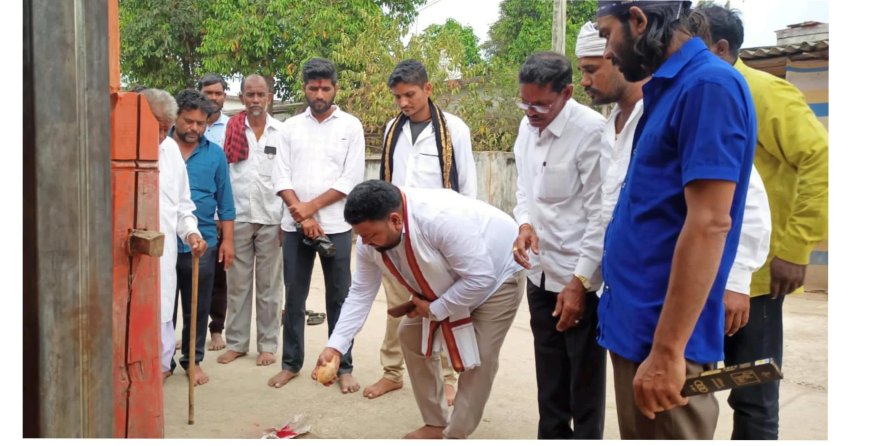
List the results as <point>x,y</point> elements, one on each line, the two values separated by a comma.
<point>760,17</point>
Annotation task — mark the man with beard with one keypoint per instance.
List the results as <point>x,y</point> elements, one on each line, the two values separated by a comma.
<point>214,88</point>
<point>792,157</point>
<point>675,229</point>
<point>558,201</point>
<point>176,217</point>
<point>453,254</point>
<point>424,147</point>
<point>605,85</point>
<point>211,191</point>
<point>250,145</point>
<point>321,157</point>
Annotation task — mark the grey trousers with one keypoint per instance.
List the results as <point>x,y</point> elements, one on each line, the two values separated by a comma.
<point>491,323</point>
<point>258,254</point>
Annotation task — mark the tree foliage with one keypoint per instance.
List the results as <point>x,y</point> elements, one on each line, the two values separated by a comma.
<point>160,41</point>
<point>466,36</point>
<point>525,26</point>
<point>169,43</point>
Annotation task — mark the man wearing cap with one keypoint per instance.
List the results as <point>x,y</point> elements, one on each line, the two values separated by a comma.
<point>605,85</point>
<point>559,241</point>
<point>675,228</point>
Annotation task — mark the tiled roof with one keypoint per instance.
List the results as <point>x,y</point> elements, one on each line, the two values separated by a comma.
<point>765,52</point>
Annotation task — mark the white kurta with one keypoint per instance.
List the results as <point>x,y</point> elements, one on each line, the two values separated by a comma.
<point>418,164</point>
<point>176,219</point>
<point>465,253</point>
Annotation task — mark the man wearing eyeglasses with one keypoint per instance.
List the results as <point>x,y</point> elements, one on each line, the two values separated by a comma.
<point>558,201</point>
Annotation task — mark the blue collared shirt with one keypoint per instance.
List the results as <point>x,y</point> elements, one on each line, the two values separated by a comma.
<point>218,131</point>
<point>210,189</point>
<point>698,124</point>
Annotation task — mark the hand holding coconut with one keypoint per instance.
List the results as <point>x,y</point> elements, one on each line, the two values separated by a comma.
<point>326,370</point>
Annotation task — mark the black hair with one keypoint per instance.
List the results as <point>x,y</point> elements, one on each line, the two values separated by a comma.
<point>408,72</point>
<point>547,67</point>
<point>190,99</point>
<point>664,19</point>
<point>318,68</point>
<point>210,79</point>
<point>725,24</point>
<point>372,200</point>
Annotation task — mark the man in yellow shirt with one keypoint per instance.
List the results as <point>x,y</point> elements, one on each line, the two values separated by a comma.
<point>792,158</point>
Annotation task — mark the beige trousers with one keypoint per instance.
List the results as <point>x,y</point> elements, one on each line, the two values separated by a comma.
<point>391,351</point>
<point>694,421</point>
<point>491,322</point>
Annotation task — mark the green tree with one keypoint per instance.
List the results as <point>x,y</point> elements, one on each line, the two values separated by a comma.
<point>159,42</point>
<point>525,26</point>
<point>466,36</point>
<point>274,38</point>
<point>169,43</point>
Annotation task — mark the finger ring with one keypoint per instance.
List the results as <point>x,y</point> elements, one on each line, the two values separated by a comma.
<point>576,321</point>
<point>515,249</point>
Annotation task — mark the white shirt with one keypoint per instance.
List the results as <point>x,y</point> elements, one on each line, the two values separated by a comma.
<point>418,164</point>
<point>253,191</point>
<point>314,157</point>
<point>176,219</point>
<point>559,194</point>
<point>473,238</point>
<point>754,239</point>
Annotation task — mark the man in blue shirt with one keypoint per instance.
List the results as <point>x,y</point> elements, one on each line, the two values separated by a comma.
<point>210,190</point>
<point>214,87</point>
<point>674,232</point>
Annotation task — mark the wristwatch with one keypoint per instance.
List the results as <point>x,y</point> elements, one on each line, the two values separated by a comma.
<point>584,280</point>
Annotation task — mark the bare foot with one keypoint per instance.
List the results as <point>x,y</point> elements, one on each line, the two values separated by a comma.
<point>178,344</point>
<point>217,342</point>
<point>283,377</point>
<point>426,432</point>
<point>166,374</point>
<point>450,393</point>
<point>348,383</point>
<point>265,358</point>
<point>381,387</point>
<point>229,356</point>
<point>199,376</point>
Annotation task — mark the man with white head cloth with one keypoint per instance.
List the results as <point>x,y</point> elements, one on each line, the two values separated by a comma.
<point>605,85</point>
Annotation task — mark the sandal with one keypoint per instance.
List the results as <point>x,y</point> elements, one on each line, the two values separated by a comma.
<point>316,318</point>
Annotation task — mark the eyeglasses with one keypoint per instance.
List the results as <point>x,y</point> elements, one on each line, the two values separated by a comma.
<point>542,109</point>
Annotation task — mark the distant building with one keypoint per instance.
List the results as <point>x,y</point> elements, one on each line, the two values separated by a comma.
<point>800,57</point>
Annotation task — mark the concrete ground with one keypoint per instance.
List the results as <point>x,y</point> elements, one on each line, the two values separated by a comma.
<point>237,403</point>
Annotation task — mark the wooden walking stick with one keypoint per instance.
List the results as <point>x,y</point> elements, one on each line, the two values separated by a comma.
<point>191,345</point>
